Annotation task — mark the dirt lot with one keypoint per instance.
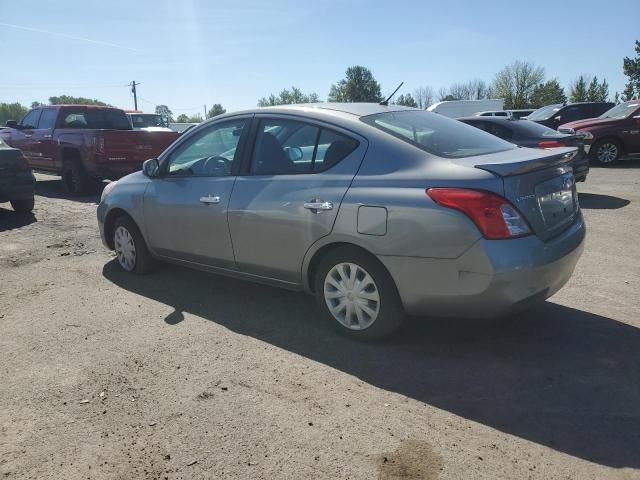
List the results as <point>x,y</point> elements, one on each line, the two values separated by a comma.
<point>181,374</point>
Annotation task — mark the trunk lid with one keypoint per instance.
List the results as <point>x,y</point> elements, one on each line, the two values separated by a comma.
<point>539,183</point>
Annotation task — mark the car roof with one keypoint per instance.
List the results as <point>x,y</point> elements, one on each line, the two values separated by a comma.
<point>497,119</point>
<point>357,109</point>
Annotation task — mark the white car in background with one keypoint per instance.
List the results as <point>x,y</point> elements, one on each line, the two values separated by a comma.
<point>150,122</point>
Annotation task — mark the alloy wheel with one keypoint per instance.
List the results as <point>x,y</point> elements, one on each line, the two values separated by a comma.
<point>607,153</point>
<point>352,296</point>
<point>125,248</point>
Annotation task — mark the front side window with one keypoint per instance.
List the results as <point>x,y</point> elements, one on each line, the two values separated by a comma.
<point>30,120</point>
<point>48,118</point>
<point>437,134</point>
<point>209,153</point>
<point>570,114</point>
<point>285,147</point>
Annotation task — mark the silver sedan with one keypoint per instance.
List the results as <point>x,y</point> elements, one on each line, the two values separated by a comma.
<point>378,211</point>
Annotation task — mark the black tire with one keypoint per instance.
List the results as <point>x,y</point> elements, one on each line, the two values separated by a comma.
<point>605,152</point>
<point>23,205</point>
<point>390,314</point>
<point>143,260</point>
<point>75,179</point>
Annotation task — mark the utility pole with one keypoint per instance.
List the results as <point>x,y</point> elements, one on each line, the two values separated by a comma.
<point>133,90</point>
<point>205,111</point>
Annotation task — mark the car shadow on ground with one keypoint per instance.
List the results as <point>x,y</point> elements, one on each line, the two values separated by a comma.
<point>54,188</point>
<point>10,220</point>
<point>560,377</point>
<point>595,201</point>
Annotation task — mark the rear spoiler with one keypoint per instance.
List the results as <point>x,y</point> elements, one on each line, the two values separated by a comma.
<point>508,168</point>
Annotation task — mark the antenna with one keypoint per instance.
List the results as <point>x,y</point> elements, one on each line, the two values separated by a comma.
<point>386,102</point>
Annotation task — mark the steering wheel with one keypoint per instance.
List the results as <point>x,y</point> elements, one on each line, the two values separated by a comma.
<point>217,164</point>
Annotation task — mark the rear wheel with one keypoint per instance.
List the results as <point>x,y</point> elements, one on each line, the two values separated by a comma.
<point>23,205</point>
<point>606,152</point>
<point>357,295</point>
<point>76,181</point>
<point>131,249</point>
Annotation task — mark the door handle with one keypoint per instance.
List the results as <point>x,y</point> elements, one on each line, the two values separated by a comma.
<point>47,136</point>
<point>210,199</point>
<point>318,206</point>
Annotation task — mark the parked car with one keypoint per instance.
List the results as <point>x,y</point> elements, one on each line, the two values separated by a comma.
<point>613,134</point>
<point>463,108</point>
<point>525,133</point>
<point>553,116</point>
<point>83,143</point>
<point>149,122</point>
<point>17,183</point>
<point>376,210</point>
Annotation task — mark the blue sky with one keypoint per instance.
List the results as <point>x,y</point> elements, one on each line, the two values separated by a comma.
<point>188,53</point>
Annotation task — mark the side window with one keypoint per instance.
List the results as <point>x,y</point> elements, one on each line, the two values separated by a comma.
<point>30,120</point>
<point>210,153</point>
<point>48,118</point>
<point>285,147</point>
<point>74,120</point>
<point>570,114</point>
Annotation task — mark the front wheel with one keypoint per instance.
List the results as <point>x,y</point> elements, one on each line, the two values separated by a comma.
<point>606,152</point>
<point>23,206</point>
<point>357,295</point>
<point>131,249</point>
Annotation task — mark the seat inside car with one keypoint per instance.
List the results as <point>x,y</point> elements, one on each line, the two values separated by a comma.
<point>271,157</point>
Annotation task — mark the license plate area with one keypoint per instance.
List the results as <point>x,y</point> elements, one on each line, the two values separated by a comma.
<point>557,201</point>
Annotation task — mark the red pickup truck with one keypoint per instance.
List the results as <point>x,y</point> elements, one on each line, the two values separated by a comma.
<point>614,134</point>
<point>85,144</point>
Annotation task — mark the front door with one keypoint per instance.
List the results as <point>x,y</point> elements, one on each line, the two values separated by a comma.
<point>185,209</point>
<point>290,195</point>
<point>22,138</point>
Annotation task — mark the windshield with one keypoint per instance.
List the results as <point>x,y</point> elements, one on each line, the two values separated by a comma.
<point>148,120</point>
<point>437,134</point>
<point>621,111</point>
<point>545,112</point>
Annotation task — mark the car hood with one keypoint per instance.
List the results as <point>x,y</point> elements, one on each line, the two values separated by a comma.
<point>589,122</point>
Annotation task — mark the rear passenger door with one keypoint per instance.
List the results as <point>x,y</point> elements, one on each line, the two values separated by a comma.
<point>289,192</point>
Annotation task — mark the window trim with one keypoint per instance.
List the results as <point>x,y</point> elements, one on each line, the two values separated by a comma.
<point>203,129</point>
<point>321,126</point>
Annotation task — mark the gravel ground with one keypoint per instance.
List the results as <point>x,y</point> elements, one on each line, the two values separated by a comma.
<point>186,375</point>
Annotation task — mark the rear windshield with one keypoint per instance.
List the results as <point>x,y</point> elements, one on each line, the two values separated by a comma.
<point>533,129</point>
<point>437,134</point>
<point>145,120</point>
<point>544,113</point>
<point>95,119</point>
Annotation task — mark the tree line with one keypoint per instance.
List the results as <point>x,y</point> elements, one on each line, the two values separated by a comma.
<point>521,85</point>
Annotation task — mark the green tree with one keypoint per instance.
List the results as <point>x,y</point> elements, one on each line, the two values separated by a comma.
<point>197,118</point>
<point>407,100</point>
<point>70,100</point>
<point>164,111</point>
<point>597,92</point>
<point>547,93</point>
<point>11,111</point>
<point>579,90</point>
<point>359,85</point>
<point>36,104</point>
<point>182,118</point>
<point>216,110</point>
<point>515,83</point>
<point>631,68</point>
<point>288,97</point>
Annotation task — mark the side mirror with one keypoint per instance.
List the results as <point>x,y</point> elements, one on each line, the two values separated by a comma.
<point>11,124</point>
<point>151,168</point>
<point>558,118</point>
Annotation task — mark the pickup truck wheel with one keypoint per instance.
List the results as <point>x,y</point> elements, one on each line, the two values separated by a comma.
<point>131,249</point>
<point>76,180</point>
<point>23,205</point>
<point>606,151</point>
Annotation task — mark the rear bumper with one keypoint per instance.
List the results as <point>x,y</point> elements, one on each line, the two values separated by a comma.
<point>492,278</point>
<point>580,165</point>
<point>19,187</point>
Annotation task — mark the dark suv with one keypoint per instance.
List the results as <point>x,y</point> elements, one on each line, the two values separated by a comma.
<point>553,116</point>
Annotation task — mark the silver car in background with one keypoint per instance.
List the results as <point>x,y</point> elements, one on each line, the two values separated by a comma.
<point>377,210</point>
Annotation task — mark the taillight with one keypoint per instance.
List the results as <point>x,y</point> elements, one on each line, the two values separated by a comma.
<point>550,144</point>
<point>495,216</point>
